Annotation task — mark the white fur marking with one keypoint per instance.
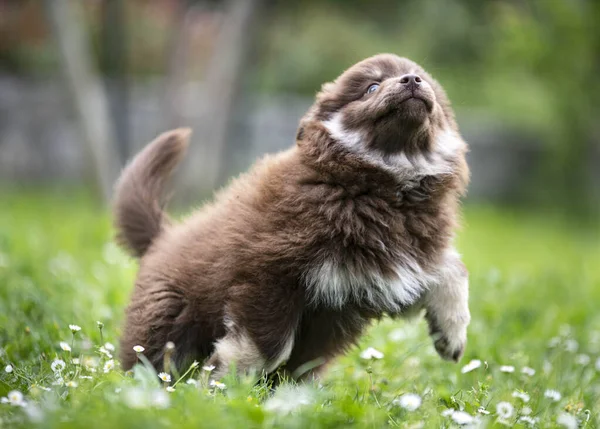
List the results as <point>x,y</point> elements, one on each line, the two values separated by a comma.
<point>334,285</point>
<point>447,146</point>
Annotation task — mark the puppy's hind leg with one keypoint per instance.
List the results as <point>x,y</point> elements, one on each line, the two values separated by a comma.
<point>260,331</point>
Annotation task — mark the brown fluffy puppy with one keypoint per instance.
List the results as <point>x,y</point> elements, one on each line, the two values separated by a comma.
<point>293,259</point>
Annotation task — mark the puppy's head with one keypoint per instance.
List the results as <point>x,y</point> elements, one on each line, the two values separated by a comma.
<point>384,103</point>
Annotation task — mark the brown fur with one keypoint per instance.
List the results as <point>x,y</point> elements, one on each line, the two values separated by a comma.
<point>240,266</point>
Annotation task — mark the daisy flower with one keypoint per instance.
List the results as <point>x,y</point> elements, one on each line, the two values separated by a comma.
<point>75,361</point>
<point>288,399</point>
<point>408,401</point>
<point>483,411</point>
<point>582,359</point>
<point>504,410</point>
<point>71,384</point>
<point>474,364</point>
<point>65,346</point>
<point>462,418</point>
<point>521,395</point>
<point>164,377</point>
<point>109,347</point>
<point>208,368</point>
<point>57,365</point>
<point>528,371</point>
<point>138,349</point>
<point>86,377</point>
<point>526,411</point>
<point>109,365</point>
<point>571,345</point>
<point>217,384</point>
<point>74,328</point>
<point>371,353</point>
<point>170,389</point>
<point>507,368</point>
<point>192,382</point>
<point>528,419</point>
<point>553,395</point>
<point>105,352</point>
<point>15,398</point>
<point>8,369</point>
<point>567,421</point>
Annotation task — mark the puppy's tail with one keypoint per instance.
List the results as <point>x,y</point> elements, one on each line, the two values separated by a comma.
<point>138,202</point>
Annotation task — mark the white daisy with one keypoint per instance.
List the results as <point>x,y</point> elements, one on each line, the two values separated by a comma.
<point>504,410</point>
<point>71,384</point>
<point>554,341</point>
<point>528,371</point>
<point>208,368</point>
<point>371,353</point>
<point>57,365</point>
<point>86,377</point>
<point>4,400</point>
<point>526,411</point>
<point>170,389</point>
<point>462,418</point>
<point>507,368</point>
<point>567,421</point>
<point>109,365</point>
<point>521,395</point>
<point>164,377</point>
<point>138,349</point>
<point>553,395</point>
<point>582,359</point>
<point>192,382</point>
<point>109,347</point>
<point>528,419</point>
<point>105,352</point>
<point>65,346</point>
<point>571,345</point>
<point>474,364</point>
<point>75,361</point>
<point>408,401</point>
<point>8,369</point>
<point>90,363</point>
<point>217,384</point>
<point>159,399</point>
<point>447,412</point>
<point>483,411</point>
<point>288,399</point>
<point>15,398</point>
<point>74,328</point>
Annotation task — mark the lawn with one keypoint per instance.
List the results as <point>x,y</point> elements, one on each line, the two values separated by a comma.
<point>535,293</point>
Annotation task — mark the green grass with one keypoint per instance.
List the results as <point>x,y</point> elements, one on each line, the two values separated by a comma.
<point>534,282</point>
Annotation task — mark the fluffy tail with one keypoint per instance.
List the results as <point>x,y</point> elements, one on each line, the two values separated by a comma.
<point>138,202</point>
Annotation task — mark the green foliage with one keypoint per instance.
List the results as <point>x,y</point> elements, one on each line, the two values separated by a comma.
<point>535,287</point>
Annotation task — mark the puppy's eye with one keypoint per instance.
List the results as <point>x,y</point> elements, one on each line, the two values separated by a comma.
<point>373,88</point>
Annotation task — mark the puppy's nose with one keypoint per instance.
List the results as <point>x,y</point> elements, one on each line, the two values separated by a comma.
<point>411,81</point>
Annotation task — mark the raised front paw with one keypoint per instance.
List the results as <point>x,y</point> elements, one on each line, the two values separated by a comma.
<point>449,334</point>
<point>450,348</point>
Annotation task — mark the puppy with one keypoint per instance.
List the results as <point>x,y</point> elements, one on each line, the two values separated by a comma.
<point>293,259</point>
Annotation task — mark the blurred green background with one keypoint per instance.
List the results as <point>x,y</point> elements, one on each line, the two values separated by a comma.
<point>522,76</point>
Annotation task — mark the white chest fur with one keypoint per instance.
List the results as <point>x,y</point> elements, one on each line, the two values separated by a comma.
<point>334,285</point>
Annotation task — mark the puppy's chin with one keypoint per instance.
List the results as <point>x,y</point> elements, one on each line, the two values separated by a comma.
<point>413,111</point>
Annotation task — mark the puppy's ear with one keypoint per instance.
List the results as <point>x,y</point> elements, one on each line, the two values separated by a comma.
<point>300,133</point>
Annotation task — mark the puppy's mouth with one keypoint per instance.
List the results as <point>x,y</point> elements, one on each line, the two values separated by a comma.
<point>415,99</point>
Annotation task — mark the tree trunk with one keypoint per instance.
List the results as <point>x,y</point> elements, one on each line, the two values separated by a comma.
<point>89,98</point>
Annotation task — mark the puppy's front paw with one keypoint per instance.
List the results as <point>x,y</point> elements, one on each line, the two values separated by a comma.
<point>449,348</point>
